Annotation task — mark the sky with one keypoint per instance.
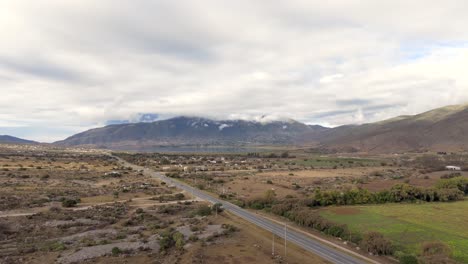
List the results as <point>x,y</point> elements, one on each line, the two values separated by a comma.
<point>68,66</point>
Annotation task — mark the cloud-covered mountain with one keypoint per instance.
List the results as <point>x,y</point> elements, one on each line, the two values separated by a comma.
<point>11,139</point>
<point>140,117</point>
<point>192,131</point>
<point>444,128</point>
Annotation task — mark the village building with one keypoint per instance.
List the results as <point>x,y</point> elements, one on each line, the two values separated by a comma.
<point>454,168</point>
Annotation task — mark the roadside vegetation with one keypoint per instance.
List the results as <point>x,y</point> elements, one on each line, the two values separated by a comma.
<point>307,187</point>
<point>77,205</point>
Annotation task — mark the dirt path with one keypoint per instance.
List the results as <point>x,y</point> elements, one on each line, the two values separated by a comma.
<point>16,213</point>
<point>135,202</point>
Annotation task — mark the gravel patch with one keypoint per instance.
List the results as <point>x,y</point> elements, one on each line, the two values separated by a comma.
<point>209,231</point>
<point>103,250</point>
<point>81,221</point>
<point>92,233</point>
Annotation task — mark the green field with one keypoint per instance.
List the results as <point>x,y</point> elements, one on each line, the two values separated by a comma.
<point>330,162</point>
<point>408,225</point>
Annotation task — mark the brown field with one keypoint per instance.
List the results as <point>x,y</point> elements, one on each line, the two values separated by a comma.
<point>127,210</point>
<point>250,245</point>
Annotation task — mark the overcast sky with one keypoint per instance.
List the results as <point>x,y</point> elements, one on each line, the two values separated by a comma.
<point>66,66</point>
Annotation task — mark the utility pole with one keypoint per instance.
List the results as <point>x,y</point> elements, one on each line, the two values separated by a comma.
<point>273,246</point>
<point>285,240</point>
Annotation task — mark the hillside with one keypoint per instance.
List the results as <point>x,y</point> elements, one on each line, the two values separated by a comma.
<point>444,129</point>
<point>10,139</point>
<point>191,131</point>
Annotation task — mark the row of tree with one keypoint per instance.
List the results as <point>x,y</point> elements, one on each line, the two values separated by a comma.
<point>294,210</point>
<point>446,190</point>
<point>397,194</point>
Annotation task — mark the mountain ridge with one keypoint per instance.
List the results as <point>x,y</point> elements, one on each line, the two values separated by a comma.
<point>185,130</point>
<point>444,128</point>
<point>12,139</point>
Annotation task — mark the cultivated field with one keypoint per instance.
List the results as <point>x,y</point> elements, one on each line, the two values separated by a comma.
<point>305,188</point>
<point>409,225</point>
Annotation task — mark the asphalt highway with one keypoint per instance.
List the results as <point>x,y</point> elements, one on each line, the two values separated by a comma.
<point>308,243</point>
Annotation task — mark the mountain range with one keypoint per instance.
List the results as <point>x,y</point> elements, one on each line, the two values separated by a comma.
<point>442,129</point>
<point>192,131</point>
<point>15,140</point>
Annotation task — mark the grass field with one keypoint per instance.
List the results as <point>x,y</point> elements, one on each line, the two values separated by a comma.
<point>330,162</point>
<point>408,225</point>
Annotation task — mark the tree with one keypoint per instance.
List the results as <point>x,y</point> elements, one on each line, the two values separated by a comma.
<point>217,207</point>
<point>269,195</point>
<point>179,240</point>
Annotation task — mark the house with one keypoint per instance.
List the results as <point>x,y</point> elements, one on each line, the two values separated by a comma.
<point>113,174</point>
<point>454,168</point>
<point>201,168</point>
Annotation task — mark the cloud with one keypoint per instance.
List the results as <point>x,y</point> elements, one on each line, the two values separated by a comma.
<point>68,66</point>
<point>138,118</point>
<point>330,78</point>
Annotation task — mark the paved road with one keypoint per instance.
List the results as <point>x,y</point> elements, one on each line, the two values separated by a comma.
<point>316,247</point>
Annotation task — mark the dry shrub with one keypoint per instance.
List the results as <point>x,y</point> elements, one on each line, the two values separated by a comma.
<point>436,252</point>
<point>377,244</point>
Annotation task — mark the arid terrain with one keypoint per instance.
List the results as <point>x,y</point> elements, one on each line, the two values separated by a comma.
<point>71,206</point>
<point>291,185</point>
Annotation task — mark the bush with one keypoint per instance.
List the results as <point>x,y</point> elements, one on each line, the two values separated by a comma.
<point>436,253</point>
<point>178,240</point>
<point>376,243</point>
<point>229,228</point>
<point>69,202</point>
<point>116,251</point>
<point>450,175</point>
<point>179,196</point>
<point>173,174</point>
<point>203,210</point>
<point>57,246</point>
<point>165,242</point>
<point>408,259</point>
<point>435,248</point>
<point>460,183</point>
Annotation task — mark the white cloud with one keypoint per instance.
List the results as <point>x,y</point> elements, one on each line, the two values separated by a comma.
<point>71,65</point>
<point>330,78</point>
